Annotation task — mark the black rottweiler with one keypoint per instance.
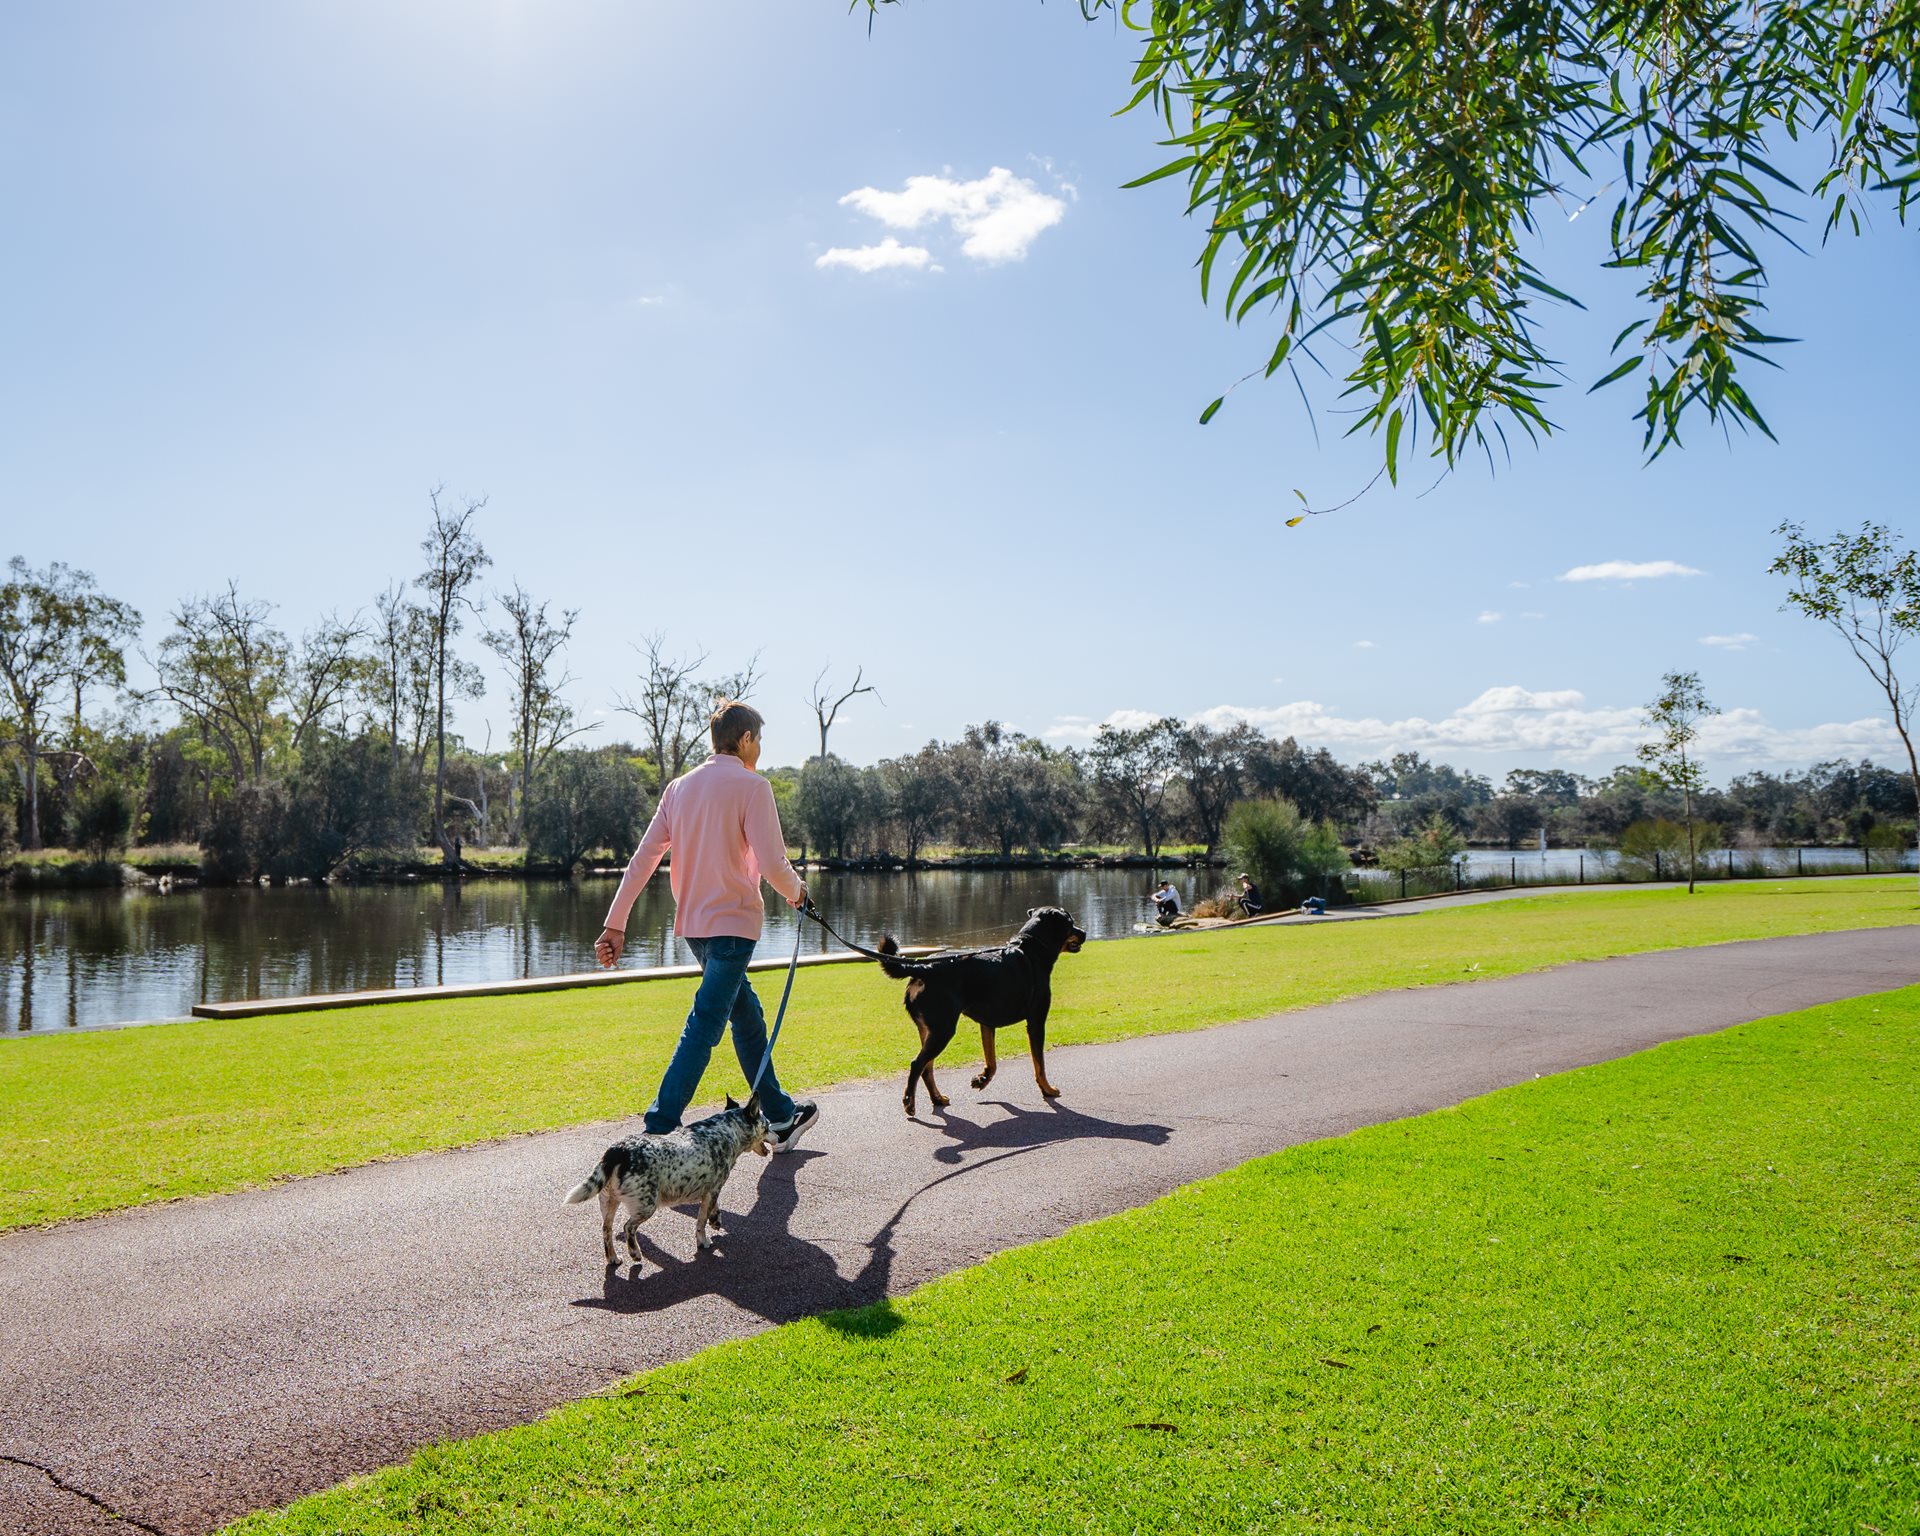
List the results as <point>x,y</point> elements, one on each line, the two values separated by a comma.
<point>993,987</point>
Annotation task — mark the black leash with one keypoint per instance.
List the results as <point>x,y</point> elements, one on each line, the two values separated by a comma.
<point>873,954</point>
<point>813,912</point>
<point>793,965</point>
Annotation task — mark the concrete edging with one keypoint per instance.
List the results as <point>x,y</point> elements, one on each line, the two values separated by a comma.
<point>259,1007</point>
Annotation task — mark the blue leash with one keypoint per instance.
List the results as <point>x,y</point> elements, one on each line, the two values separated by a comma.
<point>780,1017</point>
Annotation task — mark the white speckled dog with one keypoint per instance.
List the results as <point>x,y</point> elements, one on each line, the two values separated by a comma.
<point>644,1173</point>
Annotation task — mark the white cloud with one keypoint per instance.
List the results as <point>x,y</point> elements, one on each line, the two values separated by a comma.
<point>1538,725</point>
<point>998,216</point>
<point>1629,570</point>
<point>874,258</point>
<point>649,300</point>
<point>1533,615</point>
<point>1520,586</point>
<point>1730,642</point>
<point>1509,699</point>
<point>1363,645</point>
<point>1488,616</point>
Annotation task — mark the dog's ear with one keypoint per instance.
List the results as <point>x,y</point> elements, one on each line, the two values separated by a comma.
<point>1033,911</point>
<point>730,1103</point>
<point>752,1105</point>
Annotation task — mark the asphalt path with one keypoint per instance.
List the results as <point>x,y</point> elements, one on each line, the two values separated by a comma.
<point>172,1368</point>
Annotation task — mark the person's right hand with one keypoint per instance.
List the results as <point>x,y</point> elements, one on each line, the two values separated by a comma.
<point>607,948</point>
<point>799,903</point>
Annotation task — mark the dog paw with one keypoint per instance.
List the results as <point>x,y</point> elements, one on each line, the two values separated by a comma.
<point>981,1081</point>
<point>1049,1093</point>
<point>706,1242</point>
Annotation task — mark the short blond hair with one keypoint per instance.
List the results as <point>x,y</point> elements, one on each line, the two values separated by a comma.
<point>730,721</point>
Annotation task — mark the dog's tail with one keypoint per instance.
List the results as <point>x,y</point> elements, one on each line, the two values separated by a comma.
<point>596,1181</point>
<point>897,969</point>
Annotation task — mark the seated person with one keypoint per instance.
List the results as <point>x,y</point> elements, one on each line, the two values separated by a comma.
<point>1166,902</point>
<point>1250,902</point>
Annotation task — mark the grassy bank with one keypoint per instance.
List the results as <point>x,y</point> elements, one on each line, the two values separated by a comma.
<point>1671,1293</point>
<point>92,1122</point>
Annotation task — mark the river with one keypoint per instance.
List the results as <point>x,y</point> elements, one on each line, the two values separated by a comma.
<point>87,959</point>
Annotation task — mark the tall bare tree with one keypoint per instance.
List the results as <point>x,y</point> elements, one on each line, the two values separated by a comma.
<point>455,560</point>
<point>529,646</point>
<point>824,713</point>
<point>58,631</point>
<point>1866,589</point>
<point>674,702</point>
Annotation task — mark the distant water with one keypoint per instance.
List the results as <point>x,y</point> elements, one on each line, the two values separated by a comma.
<point>83,959</point>
<point>79,959</point>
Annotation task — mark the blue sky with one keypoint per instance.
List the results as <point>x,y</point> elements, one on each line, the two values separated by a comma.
<point>272,272</point>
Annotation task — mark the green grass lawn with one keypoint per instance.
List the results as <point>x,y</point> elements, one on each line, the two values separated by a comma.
<point>93,1122</point>
<point>1671,1293</point>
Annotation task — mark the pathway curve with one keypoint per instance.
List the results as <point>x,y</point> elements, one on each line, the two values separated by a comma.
<point>181,1365</point>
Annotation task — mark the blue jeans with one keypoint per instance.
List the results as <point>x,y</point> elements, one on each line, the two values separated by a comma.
<point>725,995</point>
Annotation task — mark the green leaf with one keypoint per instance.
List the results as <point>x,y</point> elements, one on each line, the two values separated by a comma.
<point>1172,168</point>
<point>1207,415</point>
<point>1621,372</point>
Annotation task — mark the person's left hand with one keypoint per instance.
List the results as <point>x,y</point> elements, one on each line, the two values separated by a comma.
<point>607,948</point>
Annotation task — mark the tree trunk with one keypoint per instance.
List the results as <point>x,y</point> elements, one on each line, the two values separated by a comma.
<point>440,757</point>
<point>30,781</point>
<point>1686,801</point>
<point>1913,771</point>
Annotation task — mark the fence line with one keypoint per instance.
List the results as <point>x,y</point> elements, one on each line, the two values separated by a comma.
<point>1616,869</point>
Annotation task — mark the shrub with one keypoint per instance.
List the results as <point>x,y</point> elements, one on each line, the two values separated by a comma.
<point>584,801</point>
<point>247,830</point>
<point>1434,846</point>
<point>347,798</point>
<point>1658,846</point>
<point>1287,856</point>
<point>103,820</point>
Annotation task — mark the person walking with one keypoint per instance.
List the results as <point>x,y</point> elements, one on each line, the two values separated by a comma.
<point>723,828</point>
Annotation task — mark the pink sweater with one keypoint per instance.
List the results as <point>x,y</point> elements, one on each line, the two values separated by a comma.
<point>719,819</point>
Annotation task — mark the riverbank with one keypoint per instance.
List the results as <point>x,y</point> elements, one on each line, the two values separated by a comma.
<point>98,1121</point>
<point>178,866</point>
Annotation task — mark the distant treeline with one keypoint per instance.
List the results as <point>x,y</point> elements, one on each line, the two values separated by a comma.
<point>267,756</point>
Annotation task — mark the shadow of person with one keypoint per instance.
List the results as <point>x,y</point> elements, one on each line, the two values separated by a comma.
<point>761,1266</point>
<point>1023,1127</point>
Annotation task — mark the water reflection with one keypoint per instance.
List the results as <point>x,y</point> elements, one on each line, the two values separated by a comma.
<point>86,958</point>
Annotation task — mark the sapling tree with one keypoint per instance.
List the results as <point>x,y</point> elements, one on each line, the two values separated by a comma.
<point>1867,589</point>
<point>1675,719</point>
